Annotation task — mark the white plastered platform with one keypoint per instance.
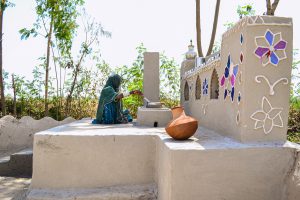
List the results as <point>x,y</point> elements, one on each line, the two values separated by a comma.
<point>86,161</point>
<point>149,116</point>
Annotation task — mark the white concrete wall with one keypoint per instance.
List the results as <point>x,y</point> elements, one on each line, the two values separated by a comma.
<point>16,134</point>
<point>264,87</point>
<point>292,188</point>
<point>80,158</point>
<point>231,174</point>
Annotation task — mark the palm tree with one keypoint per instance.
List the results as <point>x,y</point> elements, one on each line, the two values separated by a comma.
<point>198,28</point>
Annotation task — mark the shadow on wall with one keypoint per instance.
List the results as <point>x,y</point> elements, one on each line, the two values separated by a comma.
<point>214,85</point>
<point>198,88</point>
<point>16,134</point>
<point>186,91</point>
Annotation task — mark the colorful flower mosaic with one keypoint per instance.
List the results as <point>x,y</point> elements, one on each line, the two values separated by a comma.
<point>229,78</point>
<point>205,87</point>
<point>270,48</point>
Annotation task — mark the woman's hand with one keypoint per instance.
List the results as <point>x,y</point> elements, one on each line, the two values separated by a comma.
<point>121,95</point>
<point>137,92</point>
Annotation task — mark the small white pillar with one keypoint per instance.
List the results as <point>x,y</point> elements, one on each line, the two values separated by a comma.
<point>152,116</point>
<point>151,76</point>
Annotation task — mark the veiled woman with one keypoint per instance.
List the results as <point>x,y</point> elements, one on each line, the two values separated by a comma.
<point>110,108</point>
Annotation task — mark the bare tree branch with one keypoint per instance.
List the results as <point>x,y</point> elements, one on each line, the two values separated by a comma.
<point>213,34</point>
<point>274,6</point>
<point>92,32</point>
<point>269,7</point>
<point>198,29</point>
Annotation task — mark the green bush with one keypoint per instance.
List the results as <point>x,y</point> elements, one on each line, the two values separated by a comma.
<point>294,125</point>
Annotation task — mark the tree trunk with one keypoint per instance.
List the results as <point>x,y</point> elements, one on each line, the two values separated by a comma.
<point>213,34</point>
<point>57,89</point>
<point>198,29</point>
<point>15,96</point>
<point>47,67</point>
<point>274,6</point>
<point>1,67</point>
<point>60,93</point>
<point>269,7</point>
<point>69,97</point>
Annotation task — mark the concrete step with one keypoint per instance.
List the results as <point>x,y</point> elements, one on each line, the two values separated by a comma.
<point>136,192</point>
<point>17,165</point>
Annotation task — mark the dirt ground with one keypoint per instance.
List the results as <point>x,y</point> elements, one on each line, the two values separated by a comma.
<point>13,188</point>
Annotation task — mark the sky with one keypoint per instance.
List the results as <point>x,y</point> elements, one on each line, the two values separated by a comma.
<point>161,25</point>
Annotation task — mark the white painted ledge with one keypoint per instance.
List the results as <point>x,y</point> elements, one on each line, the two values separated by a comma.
<point>135,192</point>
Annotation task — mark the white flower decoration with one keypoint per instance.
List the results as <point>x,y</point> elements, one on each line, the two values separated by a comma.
<point>267,117</point>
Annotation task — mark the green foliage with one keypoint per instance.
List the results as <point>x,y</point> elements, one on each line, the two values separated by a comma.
<point>133,80</point>
<point>294,114</point>
<point>246,10</point>
<point>5,75</point>
<point>229,25</point>
<point>242,11</point>
<point>295,102</point>
<point>293,123</point>
<point>93,31</point>
<point>30,99</point>
<point>62,15</point>
<point>216,47</point>
<point>25,33</point>
<point>169,77</point>
<point>295,62</point>
<point>5,4</point>
<point>295,90</point>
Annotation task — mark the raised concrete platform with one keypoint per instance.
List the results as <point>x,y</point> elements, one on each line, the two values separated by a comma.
<point>89,158</point>
<point>150,116</point>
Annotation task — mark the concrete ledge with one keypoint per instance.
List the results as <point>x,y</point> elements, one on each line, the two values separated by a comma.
<point>148,116</point>
<point>135,192</point>
<point>17,165</point>
<point>81,156</point>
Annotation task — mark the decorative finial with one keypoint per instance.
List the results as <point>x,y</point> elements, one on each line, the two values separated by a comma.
<point>191,54</point>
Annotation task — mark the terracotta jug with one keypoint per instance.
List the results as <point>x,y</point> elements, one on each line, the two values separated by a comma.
<point>181,127</point>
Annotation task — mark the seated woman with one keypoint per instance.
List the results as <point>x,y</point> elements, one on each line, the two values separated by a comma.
<point>110,108</point>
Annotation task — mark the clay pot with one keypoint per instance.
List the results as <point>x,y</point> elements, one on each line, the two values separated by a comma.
<point>181,127</point>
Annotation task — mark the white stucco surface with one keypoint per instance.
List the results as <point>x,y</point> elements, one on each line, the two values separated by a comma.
<point>209,166</point>
<point>135,192</point>
<point>16,134</point>
<point>148,116</point>
<point>256,89</point>
<point>151,76</point>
